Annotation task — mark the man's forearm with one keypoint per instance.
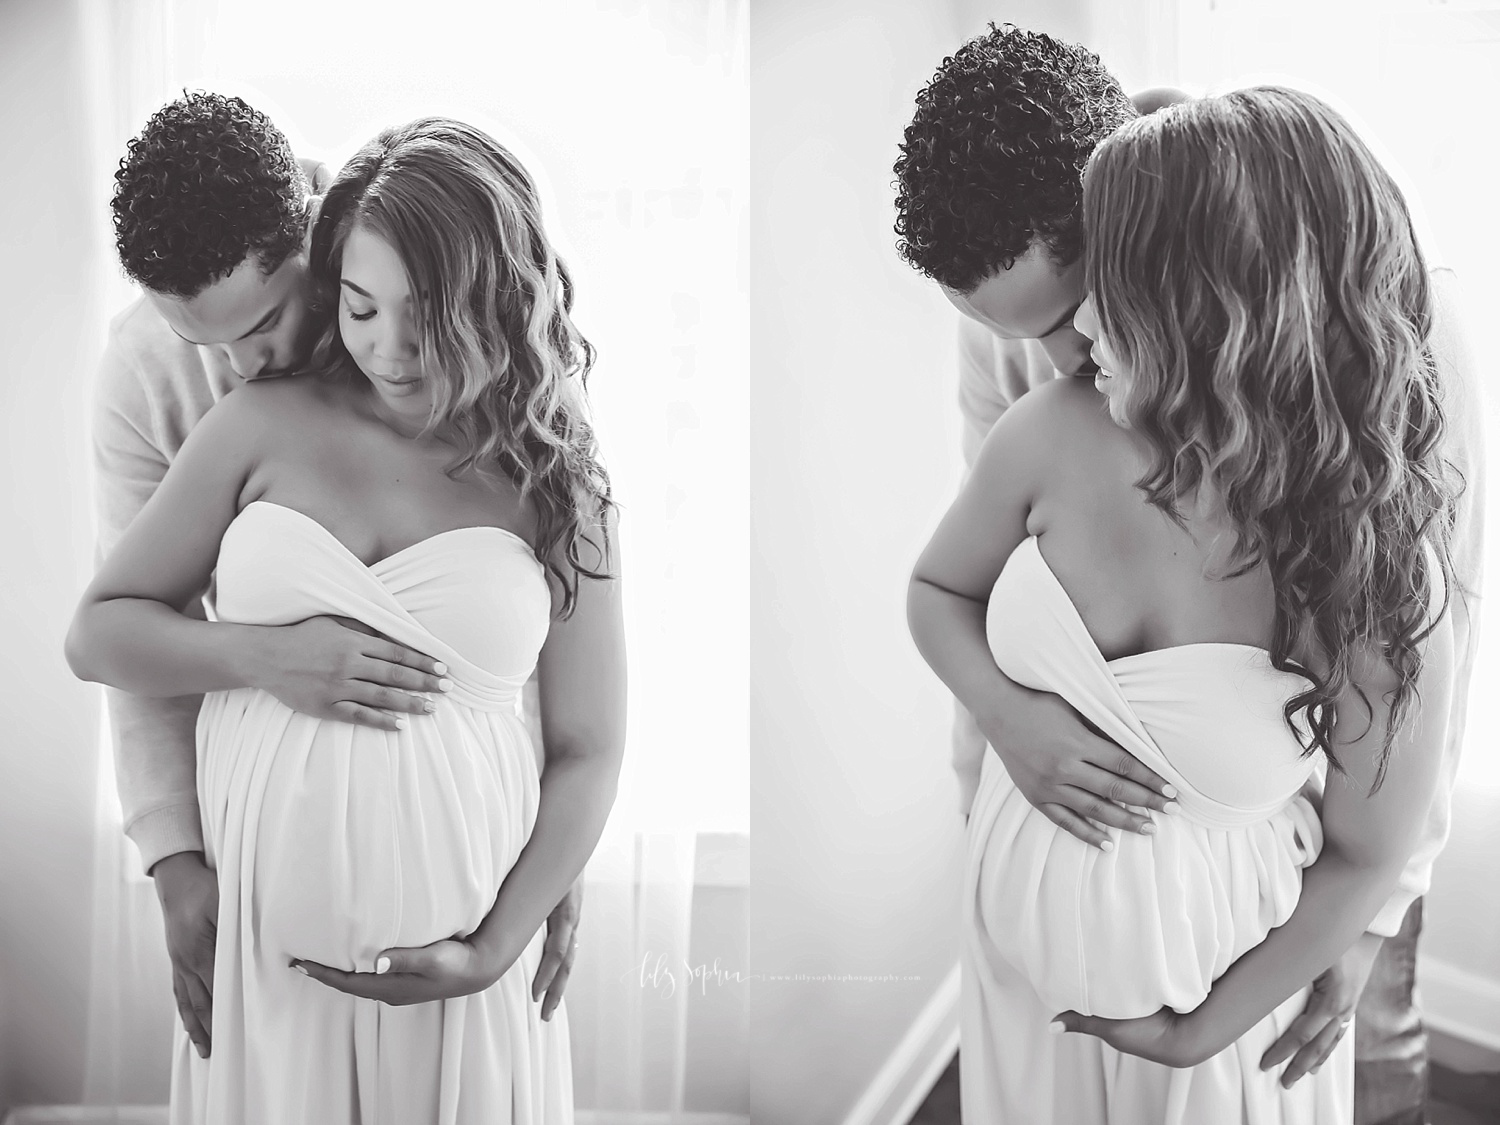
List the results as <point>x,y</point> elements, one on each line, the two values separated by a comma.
<point>156,772</point>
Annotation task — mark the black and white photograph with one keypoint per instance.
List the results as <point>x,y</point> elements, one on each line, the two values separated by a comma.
<point>710,562</point>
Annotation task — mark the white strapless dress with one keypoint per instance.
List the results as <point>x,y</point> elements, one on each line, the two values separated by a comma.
<point>1052,924</point>
<point>334,841</point>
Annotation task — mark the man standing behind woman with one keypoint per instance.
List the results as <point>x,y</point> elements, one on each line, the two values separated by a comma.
<point>990,206</point>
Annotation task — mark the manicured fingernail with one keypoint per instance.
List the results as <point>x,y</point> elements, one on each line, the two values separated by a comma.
<point>439,668</point>
<point>383,965</point>
<point>1107,846</point>
<point>445,685</point>
<point>1171,807</point>
<point>400,724</point>
<point>1148,829</point>
<point>1057,1027</point>
<point>1169,791</point>
<point>429,707</point>
<point>301,969</point>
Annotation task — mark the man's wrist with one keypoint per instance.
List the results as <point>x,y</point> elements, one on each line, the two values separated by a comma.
<point>169,828</point>
<point>170,865</point>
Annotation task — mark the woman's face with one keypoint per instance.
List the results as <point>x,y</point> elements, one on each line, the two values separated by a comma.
<point>1113,379</point>
<point>377,319</point>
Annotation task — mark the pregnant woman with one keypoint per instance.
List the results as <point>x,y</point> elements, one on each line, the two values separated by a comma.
<point>434,478</point>
<point>1228,553</point>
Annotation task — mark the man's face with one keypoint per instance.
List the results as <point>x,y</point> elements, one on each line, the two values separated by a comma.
<point>259,322</point>
<point>1035,299</point>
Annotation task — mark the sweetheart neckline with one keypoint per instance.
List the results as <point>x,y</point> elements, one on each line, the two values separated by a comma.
<point>1067,597</point>
<point>394,554</point>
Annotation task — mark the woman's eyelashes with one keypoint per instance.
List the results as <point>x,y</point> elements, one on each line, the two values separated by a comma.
<point>358,315</point>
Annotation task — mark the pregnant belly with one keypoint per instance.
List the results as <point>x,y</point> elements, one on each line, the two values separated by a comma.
<point>1153,922</point>
<point>341,841</point>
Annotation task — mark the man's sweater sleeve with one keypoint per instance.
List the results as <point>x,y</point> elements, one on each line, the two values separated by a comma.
<point>154,739</point>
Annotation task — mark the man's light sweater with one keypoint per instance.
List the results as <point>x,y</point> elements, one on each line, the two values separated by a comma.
<point>153,388</point>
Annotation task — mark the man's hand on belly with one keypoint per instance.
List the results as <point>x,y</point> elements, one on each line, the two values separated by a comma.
<point>337,668</point>
<point>189,892</point>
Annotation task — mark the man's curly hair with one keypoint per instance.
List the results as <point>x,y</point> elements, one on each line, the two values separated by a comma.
<point>208,182</point>
<point>993,160</point>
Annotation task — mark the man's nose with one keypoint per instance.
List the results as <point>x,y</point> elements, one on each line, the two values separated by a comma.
<point>247,362</point>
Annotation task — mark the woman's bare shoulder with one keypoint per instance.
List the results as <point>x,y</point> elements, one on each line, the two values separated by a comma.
<point>262,410</point>
<point>284,398</point>
<point>1064,420</point>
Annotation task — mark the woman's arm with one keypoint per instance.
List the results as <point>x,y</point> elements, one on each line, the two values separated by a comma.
<point>129,631</point>
<point>582,681</point>
<point>1367,839</point>
<point>1050,754</point>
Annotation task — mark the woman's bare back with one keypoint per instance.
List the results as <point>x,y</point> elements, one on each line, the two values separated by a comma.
<point>1140,581</point>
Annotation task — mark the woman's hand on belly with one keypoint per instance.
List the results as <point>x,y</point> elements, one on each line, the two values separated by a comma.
<point>1068,771</point>
<point>341,669</point>
<point>440,971</point>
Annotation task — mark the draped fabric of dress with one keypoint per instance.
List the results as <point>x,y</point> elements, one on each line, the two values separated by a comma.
<point>1052,924</point>
<point>334,841</point>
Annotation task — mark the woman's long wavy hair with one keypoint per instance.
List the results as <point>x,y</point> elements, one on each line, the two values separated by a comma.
<point>493,299</point>
<point>1255,269</point>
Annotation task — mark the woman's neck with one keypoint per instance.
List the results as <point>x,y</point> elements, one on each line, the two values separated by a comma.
<point>405,424</point>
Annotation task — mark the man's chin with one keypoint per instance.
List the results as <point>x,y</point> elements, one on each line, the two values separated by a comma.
<point>1087,370</point>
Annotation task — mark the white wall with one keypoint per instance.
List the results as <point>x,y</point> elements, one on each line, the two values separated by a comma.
<point>50,312</point>
<point>854,453</point>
